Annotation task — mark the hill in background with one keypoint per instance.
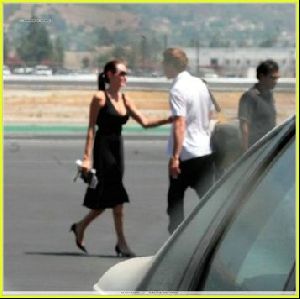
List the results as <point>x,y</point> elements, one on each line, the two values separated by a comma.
<point>85,26</point>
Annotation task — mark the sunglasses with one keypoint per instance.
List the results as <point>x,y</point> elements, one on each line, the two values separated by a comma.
<point>121,73</point>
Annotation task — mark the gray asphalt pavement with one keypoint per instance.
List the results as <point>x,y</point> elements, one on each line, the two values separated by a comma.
<point>41,202</point>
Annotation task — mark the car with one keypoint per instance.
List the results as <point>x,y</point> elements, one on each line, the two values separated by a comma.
<point>43,70</point>
<point>239,238</point>
<point>23,70</point>
<point>210,75</point>
<point>6,70</point>
<point>207,73</point>
<point>62,71</point>
<point>156,74</point>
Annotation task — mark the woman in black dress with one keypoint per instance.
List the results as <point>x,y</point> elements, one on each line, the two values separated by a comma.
<point>109,111</point>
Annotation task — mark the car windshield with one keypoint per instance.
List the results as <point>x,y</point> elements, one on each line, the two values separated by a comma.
<point>257,252</point>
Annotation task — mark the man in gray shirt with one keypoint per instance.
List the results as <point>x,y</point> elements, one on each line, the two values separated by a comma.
<point>257,112</point>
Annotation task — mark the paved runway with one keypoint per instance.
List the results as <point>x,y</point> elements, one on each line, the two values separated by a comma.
<point>41,202</point>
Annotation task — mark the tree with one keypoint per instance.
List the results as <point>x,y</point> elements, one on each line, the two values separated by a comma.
<point>120,52</point>
<point>34,45</point>
<point>145,52</point>
<point>5,48</point>
<point>132,57</point>
<point>103,36</point>
<point>102,59</point>
<point>268,43</point>
<point>156,49</point>
<point>58,52</point>
<point>85,62</point>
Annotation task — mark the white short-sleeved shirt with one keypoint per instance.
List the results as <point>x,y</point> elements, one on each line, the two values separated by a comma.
<point>189,97</point>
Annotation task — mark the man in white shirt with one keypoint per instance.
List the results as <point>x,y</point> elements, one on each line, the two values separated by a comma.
<point>191,163</point>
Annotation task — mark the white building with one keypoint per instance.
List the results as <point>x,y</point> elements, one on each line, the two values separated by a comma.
<point>239,62</point>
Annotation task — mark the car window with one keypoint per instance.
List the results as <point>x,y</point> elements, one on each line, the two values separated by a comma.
<point>257,251</point>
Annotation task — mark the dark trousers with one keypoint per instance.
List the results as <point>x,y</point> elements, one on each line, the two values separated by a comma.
<point>196,173</point>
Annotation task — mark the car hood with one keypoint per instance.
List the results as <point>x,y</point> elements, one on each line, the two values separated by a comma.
<point>124,276</point>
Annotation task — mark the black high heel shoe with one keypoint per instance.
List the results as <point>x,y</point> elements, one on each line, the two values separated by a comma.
<point>124,252</point>
<point>73,229</point>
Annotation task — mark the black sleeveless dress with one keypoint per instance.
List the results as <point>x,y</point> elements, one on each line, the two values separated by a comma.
<point>108,160</point>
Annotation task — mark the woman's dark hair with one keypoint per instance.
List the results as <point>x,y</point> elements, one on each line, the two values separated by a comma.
<point>110,66</point>
<point>266,67</point>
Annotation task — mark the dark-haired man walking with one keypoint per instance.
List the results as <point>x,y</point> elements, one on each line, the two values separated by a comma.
<point>257,113</point>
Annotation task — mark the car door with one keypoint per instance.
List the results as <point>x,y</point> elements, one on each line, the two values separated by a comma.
<point>184,261</point>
